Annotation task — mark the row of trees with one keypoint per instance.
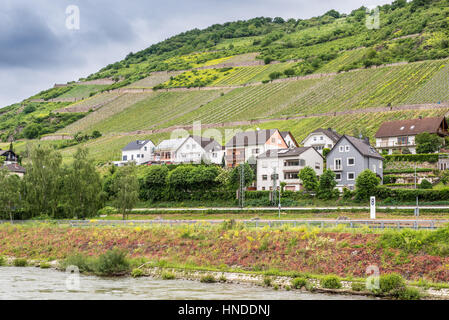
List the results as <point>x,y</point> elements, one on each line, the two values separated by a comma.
<point>324,188</point>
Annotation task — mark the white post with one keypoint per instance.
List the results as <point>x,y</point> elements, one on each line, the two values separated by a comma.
<point>372,202</point>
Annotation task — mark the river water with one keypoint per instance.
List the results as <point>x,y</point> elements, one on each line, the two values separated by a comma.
<point>35,283</point>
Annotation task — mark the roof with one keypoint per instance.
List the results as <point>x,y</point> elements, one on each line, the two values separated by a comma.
<point>135,145</point>
<point>250,138</point>
<point>411,127</point>
<point>2,152</point>
<point>14,167</point>
<point>279,153</point>
<point>207,144</point>
<point>170,144</point>
<point>284,135</point>
<point>329,132</point>
<point>363,147</point>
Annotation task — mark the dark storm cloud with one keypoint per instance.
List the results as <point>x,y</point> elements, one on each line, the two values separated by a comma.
<point>37,50</point>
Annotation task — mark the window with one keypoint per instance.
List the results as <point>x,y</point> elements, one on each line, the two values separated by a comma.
<point>341,148</point>
<point>402,128</point>
<point>214,155</point>
<point>145,148</point>
<point>351,161</point>
<point>412,127</point>
<point>273,140</point>
<point>347,148</point>
<point>132,157</point>
<point>351,176</point>
<point>374,168</point>
<point>255,151</point>
<point>263,188</point>
<point>264,177</point>
<point>317,165</point>
<point>302,162</point>
<point>337,164</point>
<point>125,158</point>
<point>338,176</point>
<point>141,155</point>
<point>193,146</point>
<point>290,163</point>
<point>290,175</point>
<point>275,175</point>
<point>314,138</point>
<point>321,138</point>
<point>402,141</point>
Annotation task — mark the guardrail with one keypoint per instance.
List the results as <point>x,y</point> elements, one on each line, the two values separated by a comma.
<point>372,224</point>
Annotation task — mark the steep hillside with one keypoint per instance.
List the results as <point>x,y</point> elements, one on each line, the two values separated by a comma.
<point>297,75</point>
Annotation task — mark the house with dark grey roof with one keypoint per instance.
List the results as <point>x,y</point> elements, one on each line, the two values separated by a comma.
<point>349,157</point>
<point>397,136</point>
<point>138,151</point>
<point>321,139</point>
<point>247,146</point>
<point>289,139</point>
<point>8,156</point>
<point>283,165</point>
<point>195,149</point>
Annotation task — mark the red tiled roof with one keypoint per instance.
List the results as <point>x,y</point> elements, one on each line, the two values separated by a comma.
<point>411,127</point>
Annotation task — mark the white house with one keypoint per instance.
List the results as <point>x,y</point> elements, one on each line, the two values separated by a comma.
<point>397,136</point>
<point>289,139</point>
<point>321,138</point>
<point>166,150</point>
<point>139,152</point>
<point>286,164</point>
<point>250,144</point>
<point>194,149</point>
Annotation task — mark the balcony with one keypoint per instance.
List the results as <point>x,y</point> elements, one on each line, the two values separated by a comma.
<point>336,168</point>
<point>394,144</point>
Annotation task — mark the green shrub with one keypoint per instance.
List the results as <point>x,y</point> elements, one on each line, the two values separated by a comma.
<point>391,282</point>
<point>20,262</point>
<point>136,273</point>
<point>44,265</point>
<point>168,276</point>
<point>407,293</point>
<point>84,263</point>
<point>425,184</point>
<point>107,211</point>
<point>222,278</point>
<point>2,261</point>
<point>113,262</point>
<point>298,283</point>
<point>358,286</point>
<point>208,278</point>
<point>331,282</point>
<point>423,157</point>
<point>267,281</point>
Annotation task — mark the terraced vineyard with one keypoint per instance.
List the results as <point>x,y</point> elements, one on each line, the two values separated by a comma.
<point>154,79</point>
<point>87,104</point>
<point>82,91</point>
<point>240,75</point>
<point>155,110</point>
<point>369,88</point>
<point>108,110</point>
<point>344,59</point>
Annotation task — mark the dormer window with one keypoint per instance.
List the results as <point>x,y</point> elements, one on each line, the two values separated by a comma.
<point>412,127</point>
<point>402,128</point>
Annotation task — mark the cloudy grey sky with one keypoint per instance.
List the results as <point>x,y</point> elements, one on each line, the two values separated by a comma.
<point>37,50</point>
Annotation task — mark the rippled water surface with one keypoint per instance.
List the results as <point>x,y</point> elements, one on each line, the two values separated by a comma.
<point>36,283</point>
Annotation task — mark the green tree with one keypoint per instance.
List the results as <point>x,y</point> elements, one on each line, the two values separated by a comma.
<point>32,131</point>
<point>445,177</point>
<point>155,183</point>
<point>126,189</point>
<point>325,152</point>
<point>43,182</point>
<point>179,183</point>
<point>9,193</point>
<point>366,184</point>
<point>234,177</point>
<point>83,189</point>
<point>326,187</point>
<point>308,179</point>
<point>428,143</point>
<point>425,184</point>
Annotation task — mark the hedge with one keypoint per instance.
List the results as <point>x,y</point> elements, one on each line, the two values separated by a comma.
<point>422,157</point>
<point>383,192</point>
<point>396,171</point>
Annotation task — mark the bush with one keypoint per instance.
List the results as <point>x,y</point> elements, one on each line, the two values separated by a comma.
<point>298,283</point>
<point>2,261</point>
<point>208,279</point>
<point>107,211</point>
<point>366,184</point>
<point>20,262</point>
<point>83,262</point>
<point>331,282</point>
<point>407,293</point>
<point>267,281</point>
<point>113,262</point>
<point>357,286</point>
<point>425,184</point>
<point>391,282</point>
<point>44,265</point>
<point>168,276</point>
<point>136,273</point>
<point>423,157</point>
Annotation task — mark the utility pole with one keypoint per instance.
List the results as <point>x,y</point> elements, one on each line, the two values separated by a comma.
<point>273,192</point>
<point>242,186</point>
<point>417,203</point>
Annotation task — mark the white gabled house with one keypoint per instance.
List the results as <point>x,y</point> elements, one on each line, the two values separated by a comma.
<point>166,150</point>
<point>286,164</point>
<point>139,152</point>
<point>321,138</point>
<point>195,149</point>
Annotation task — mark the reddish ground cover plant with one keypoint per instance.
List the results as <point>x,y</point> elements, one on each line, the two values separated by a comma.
<point>343,253</point>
